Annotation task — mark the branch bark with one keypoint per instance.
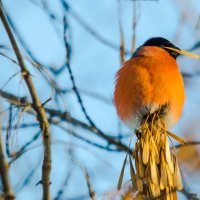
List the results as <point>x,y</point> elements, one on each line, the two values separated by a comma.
<point>4,166</point>
<point>37,106</point>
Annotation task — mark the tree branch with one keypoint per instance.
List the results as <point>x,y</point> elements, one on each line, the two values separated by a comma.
<point>66,117</point>
<point>189,143</point>
<point>37,106</point>
<point>7,189</point>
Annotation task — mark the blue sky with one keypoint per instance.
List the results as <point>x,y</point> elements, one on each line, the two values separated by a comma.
<point>94,65</point>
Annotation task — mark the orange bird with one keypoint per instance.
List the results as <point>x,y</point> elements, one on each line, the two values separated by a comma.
<point>150,79</point>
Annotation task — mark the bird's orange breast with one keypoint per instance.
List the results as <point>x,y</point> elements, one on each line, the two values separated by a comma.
<point>150,78</point>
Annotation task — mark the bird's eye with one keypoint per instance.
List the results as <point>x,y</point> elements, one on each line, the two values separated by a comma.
<point>162,46</point>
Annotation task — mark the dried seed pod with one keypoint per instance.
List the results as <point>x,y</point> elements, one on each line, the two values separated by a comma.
<point>121,174</point>
<point>137,162</point>
<point>153,167</point>
<point>154,151</point>
<point>151,188</point>
<point>177,176</point>
<point>154,189</point>
<point>167,196</point>
<point>174,195</point>
<point>161,185</point>
<point>147,173</point>
<point>157,190</point>
<point>145,152</point>
<point>139,197</point>
<point>169,176</point>
<point>142,142</point>
<point>168,156</point>
<point>141,166</point>
<point>139,183</point>
<point>157,170</point>
<point>163,173</point>
<point>132,173</point>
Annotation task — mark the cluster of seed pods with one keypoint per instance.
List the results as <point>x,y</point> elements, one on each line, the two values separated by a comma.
<point>157,170</point>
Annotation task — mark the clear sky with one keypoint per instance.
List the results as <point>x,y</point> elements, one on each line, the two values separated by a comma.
<point>94,65</point>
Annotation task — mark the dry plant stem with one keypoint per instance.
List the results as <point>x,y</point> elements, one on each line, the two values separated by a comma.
<point>122,47</point>
<point>134,27</point>
<point>37,106</point>
<point>90,188</point>
<point>7,189</point>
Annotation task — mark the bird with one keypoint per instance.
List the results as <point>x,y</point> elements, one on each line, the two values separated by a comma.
<point>150,79</point>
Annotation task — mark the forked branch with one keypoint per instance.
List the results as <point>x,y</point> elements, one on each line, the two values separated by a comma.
<point>37,106</point>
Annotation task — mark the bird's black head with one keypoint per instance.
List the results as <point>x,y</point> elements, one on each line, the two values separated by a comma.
<point>162,42</point>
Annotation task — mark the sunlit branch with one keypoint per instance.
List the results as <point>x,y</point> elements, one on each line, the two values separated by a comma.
<point>4,172</point>
<point>37,106</point>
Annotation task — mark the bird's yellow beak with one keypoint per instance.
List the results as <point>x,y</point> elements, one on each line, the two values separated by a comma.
<point>182,52</point>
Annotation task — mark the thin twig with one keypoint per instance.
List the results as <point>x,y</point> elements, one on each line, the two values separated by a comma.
<point>190,143</point>
<point>134,27</point>
<point>89,93</point>
<point>62,189</point>
<point>7,189</point>
<point>8,129</point>
<point>65,183</point>
<point>26,180</point>
<point>37,106</point>
<point>66,117</point>
<point>88,27</point>
<point>73,133</point>
<point>90,188</point>
<point>26,145</point>
<point>68,56</point>
<point>122,45</point>
<point>189,195</point>
<point>76,122</point>
<point>40,66</point>
<point>194,46</point>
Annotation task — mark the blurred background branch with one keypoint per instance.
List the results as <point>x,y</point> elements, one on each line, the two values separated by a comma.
<point>4,171</point>
<point>37,106</point>
<point>72,50</point>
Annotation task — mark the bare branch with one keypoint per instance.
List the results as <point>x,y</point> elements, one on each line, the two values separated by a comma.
<point>60,192</point>
<point>88,28</point>
<point>122,45</point>
<point>73,133</point>
<point>7,189</point>
<point>92,124</point>
<point>17,154</point>
<point>190,143</point>
<point>30,174</point>
<point>195,46</point>
<point>68,56</point>
<point>76,122</point>
<point>188,195</point>
<point>37,106</point>
<point>66,117</point>
<point>90,188</point>
<point>134,27</point>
